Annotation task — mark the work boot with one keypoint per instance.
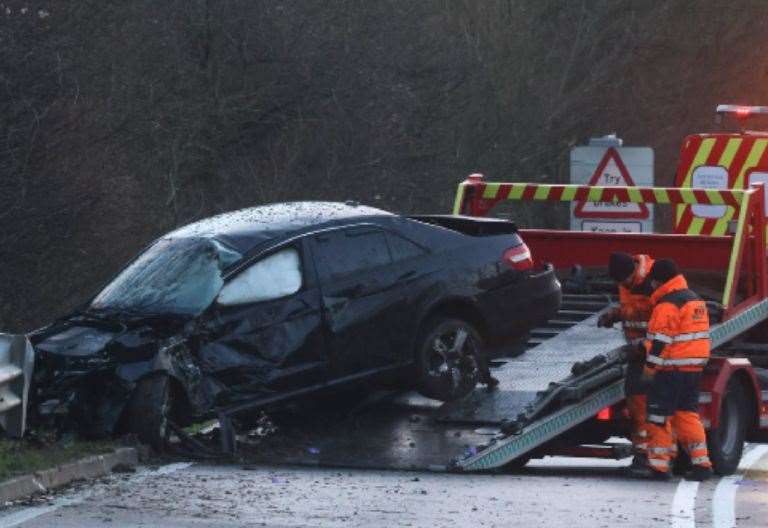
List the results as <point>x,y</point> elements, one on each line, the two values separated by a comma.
<point>681,465</point>
<point>639,461</point>
<point>646,472</point>
<point>699,473</point>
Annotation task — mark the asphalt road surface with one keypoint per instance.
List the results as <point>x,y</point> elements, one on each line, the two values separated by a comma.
<point>553,492</point>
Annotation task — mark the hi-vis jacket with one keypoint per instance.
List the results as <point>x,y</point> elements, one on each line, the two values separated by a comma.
<point>678,332</point>
<point>635,305</point>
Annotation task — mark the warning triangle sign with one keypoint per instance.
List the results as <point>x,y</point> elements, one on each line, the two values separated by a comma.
<point>611,172</point>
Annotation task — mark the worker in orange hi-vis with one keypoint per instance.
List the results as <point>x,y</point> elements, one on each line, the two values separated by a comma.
<point>631,273</point>
<point>677,348</point>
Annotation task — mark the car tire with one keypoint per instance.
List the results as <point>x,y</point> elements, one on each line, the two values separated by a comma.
<point>150,410</point>
<point>448,370</point>
<point>726,442</point>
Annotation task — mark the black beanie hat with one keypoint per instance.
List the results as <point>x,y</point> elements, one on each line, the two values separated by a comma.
<point>620,266</point>
<point>664,270</point>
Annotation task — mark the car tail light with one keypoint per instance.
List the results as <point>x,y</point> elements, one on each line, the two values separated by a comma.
<point>605,414</point>
<point>518,257</point>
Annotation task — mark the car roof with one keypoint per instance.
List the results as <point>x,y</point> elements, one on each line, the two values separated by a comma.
<point>247,228</point>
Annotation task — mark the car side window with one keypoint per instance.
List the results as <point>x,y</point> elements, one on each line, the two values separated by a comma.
<point>277,275</point>
<point>402,248</point>
<point>346,251</point>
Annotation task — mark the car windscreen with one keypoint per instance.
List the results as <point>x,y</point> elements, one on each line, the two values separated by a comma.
<point>174,276</point>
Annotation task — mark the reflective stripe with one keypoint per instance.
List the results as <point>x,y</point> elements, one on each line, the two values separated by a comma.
<point>697,461</point>
<point>642,446</point>
<point>658,450</point>
<point>658,463</point>
<point>657,419</point>
<point>690,337</point>
<point>635,324</point>
<point>694,447</point>
<point>660,337</point>
<point>684,362</point>
<point>642,433</point>
<point>664,338</point>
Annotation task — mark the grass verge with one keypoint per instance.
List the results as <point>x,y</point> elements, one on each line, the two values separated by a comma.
<point>19,457</point>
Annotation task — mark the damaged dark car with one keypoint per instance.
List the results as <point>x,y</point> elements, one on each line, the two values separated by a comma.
<point>271,303</point>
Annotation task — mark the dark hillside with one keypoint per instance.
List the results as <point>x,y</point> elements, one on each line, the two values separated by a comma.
<point>121,120</point>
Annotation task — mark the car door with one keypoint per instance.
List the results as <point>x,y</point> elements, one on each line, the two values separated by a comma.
<point>354,268</point>
<point>267,326</point>
<point>411,280</point>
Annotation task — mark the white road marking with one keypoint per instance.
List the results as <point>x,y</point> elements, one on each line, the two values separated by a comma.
<point>27,514</point>
<point>684,504</point>
<point>724,499</point>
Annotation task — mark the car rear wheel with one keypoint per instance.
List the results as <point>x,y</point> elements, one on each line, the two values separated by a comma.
<point>150,410</point>
<point>726,442</point>
<point>447,359</point>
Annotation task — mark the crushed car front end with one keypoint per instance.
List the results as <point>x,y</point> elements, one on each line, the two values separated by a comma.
<point>85,376</point>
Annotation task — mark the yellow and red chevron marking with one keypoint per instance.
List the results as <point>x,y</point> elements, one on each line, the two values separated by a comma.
<point>494,192</point>
<point>737,153</point>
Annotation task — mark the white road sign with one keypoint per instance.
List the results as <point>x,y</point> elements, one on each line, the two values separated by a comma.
<point>606,163</point>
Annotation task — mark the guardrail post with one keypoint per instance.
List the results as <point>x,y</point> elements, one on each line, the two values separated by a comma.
<point>16,364</point>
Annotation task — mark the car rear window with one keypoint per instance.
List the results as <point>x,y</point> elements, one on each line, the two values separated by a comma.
<point>468,225</point>
<point>346,251</point>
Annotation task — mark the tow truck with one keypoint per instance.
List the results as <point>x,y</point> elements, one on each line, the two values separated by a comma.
<point>564,394</point>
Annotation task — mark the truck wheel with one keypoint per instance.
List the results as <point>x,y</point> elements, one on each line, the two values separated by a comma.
<point>150,409</point>
<point>447,359</point>
<point>726,442</point>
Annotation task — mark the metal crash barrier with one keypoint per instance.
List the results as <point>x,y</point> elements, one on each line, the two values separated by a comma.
<point>16,363</point>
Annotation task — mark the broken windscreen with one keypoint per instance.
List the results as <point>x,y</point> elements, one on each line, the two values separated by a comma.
<point>174,276</point>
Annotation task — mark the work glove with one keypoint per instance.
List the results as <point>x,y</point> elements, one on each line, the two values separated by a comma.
<point>608,319</point>
<point>633,353</point>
